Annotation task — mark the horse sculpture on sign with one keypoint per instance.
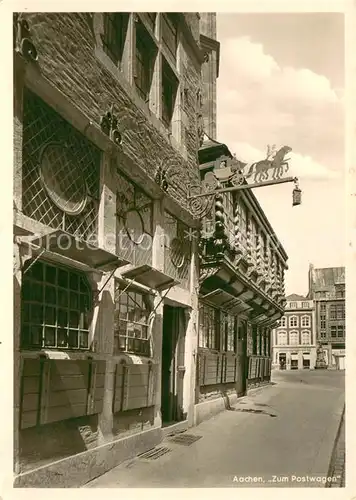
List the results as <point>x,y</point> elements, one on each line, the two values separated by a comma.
<point>277,162</point>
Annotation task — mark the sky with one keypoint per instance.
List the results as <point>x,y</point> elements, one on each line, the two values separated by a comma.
<point>281,81</point>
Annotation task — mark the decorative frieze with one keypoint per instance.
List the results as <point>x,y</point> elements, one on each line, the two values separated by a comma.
<point>250,260</point>
<point>219,235</point>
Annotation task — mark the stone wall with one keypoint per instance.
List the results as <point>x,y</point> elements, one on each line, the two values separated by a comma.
<point>67,46</point>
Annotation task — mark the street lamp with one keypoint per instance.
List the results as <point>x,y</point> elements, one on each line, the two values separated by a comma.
<point>297,194</point>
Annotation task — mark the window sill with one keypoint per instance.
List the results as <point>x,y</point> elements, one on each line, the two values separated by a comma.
<point>59,355</point>
<point>129,358</point>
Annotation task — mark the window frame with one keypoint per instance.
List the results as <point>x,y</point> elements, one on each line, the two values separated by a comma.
<point>114,35</point>
<point>306,332</point>
<point>226,320</point>
<point>149,53</point>
<point>302,322</point>
<point>293,332</point>
<point>169,21</point>
<point>296,325</point>
<point>47,306</point>
<point>169,79</point>
<point>283,322</point>
<point>279,335</point>
<point>208,333</point>
<point>140,299</point>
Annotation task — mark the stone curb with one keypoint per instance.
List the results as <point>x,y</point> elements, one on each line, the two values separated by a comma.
<point>335,464</point>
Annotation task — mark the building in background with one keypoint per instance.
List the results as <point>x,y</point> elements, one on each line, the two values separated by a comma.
<point>327,289</point>
<point>294,339</point>
<point>242,266</point>
<point>107,124</point>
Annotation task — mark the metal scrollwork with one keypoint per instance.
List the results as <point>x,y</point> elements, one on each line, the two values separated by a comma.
<point>200,207</point>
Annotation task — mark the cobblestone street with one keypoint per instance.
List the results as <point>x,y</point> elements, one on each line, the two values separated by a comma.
<point>282,435</point>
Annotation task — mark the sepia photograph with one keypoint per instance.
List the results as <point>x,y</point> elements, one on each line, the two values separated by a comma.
<point>179,255</point>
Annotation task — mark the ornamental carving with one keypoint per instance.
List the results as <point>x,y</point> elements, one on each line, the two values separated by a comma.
<point>109,125</point>
<point>22,38</point>
<point>200,118</point>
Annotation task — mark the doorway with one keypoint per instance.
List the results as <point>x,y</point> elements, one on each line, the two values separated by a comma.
<point>173,341</point>
<point>282,360</point>
<point>242,361</point>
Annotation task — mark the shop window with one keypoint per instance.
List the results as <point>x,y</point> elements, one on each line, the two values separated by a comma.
<point>146,52</point>
<point>56,307</point>
<point>115,29</point>
<point>169,93</point>
<point>132,312</point>
<point>228,325</point>
<point>208,331</point>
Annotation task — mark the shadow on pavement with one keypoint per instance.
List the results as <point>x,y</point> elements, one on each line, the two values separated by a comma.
<point>253,410</point>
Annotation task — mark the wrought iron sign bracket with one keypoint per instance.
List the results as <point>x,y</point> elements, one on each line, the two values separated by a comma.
<point>245,186</point>
<point>229,175</point>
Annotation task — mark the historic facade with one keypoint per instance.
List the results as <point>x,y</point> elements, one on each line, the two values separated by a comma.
<point>107,124</point>
<point>327,288</point>
<point>294,339</point>
<point>241,289</point>
<point>137,311</point>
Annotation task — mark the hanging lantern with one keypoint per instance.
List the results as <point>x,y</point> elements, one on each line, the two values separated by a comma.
<point>297,195</point>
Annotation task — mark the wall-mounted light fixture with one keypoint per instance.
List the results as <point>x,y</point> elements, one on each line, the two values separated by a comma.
<point>297,194</point>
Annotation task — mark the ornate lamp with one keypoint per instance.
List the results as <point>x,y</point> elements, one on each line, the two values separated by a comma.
<point>297,194</point>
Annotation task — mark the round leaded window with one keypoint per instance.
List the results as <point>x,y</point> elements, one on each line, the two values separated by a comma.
<point>62,178</point>
<point>134,226</point>
<point>177,252</point>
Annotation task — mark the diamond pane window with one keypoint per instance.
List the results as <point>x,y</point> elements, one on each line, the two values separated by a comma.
<point>50,317</point>
<point>61,172</point>
<point>177,249</point>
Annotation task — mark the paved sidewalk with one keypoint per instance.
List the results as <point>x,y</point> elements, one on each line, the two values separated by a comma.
<point>337,466</point>
<point>276,436</point>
